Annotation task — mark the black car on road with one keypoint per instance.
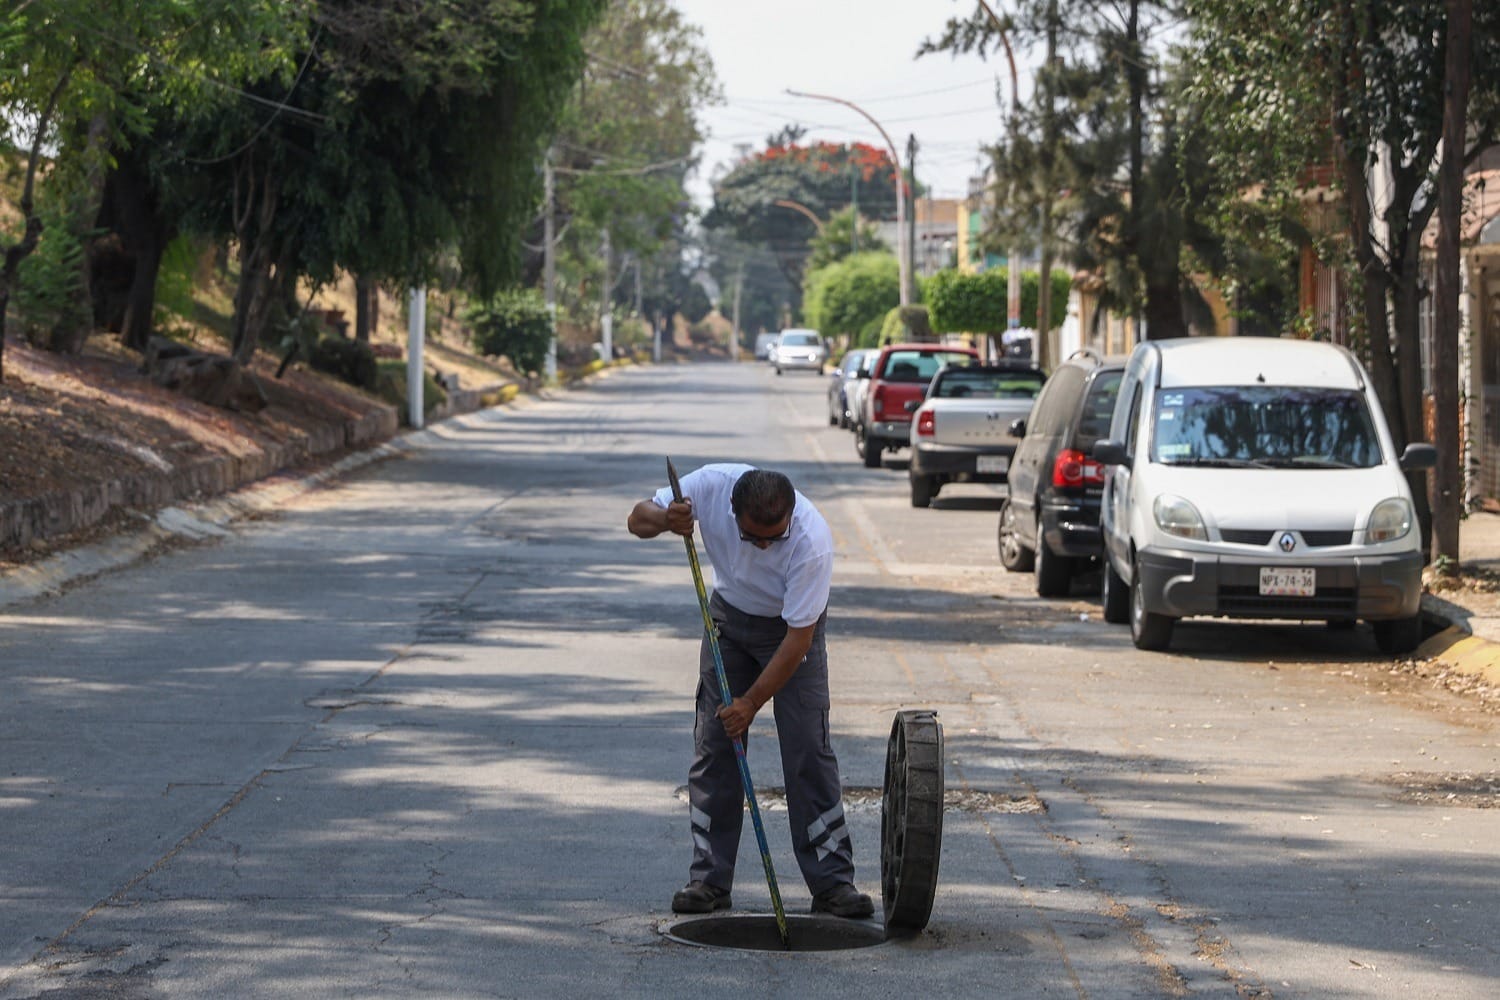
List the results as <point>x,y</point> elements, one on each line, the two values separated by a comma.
<point>1050,521</point>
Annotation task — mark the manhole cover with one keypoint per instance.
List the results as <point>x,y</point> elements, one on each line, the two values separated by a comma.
<point>755,932</point>
<point>911,819</point>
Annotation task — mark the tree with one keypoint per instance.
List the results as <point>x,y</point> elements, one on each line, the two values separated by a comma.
<point>820,178</point>
<point>837,239</point>
<point>80,79</point>
<point>623,151</point>
<point>1095,179</point>
<point>1357,88</point>
<point>852,294</point>
<point>976,303</point>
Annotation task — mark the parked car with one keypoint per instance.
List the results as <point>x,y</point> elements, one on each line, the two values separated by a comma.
<point>1252,477</point>
<point>839,381</point>
<point>799,349</point>
<point>961,428</point>
<point>763,344</point>
<point>858,387</point>
<point>1050,521</point>
<point>898,375</point>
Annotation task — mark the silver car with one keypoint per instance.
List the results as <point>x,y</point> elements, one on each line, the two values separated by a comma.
<point>798,348</point>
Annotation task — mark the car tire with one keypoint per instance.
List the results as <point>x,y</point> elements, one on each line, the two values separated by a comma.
<point>871,453</point>
<point>1395,636</point>
<point>1148,630</point>
<point>778,369</point>
<point>1054,573</point>
<point>1014,556</point>
<point>1116,596</point>
<point>921,490</point>
<point>833,421</point>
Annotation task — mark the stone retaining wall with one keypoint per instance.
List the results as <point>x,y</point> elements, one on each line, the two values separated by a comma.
<point>23,522</point>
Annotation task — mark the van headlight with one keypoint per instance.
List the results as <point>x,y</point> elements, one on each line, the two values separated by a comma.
<point>1391,519</point>
<point>1178,517</point>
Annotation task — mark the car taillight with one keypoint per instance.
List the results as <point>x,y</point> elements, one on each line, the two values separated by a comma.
<point>1073,468</point>
<point>927,423</point>
<point>878,403</point>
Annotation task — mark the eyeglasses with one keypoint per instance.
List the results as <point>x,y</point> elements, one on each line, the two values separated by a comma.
<point>746,536</point>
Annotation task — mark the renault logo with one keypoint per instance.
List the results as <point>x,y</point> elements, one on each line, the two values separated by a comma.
<point>1287,541</point>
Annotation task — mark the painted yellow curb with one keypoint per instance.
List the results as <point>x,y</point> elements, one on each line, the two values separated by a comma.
<point>1465,653</point>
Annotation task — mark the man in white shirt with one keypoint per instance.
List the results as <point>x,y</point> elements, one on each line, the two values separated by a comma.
<point>772,554</point>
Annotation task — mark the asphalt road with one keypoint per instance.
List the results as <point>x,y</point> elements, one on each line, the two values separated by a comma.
<point>423,734</point>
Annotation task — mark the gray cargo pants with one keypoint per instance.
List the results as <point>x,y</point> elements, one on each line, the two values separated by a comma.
<point>716,798</point>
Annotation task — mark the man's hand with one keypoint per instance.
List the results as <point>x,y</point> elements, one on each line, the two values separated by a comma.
<point>737,716</point>
<point>680,516</point>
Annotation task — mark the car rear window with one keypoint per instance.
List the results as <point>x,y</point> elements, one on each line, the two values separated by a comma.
<point>1265,426</point>
<point>1098,408</point>
<point>957,384</point>
<point>920,366</point>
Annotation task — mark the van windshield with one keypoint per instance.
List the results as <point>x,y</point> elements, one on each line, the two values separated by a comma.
<point>799,340</point>
<point>1265,426</point>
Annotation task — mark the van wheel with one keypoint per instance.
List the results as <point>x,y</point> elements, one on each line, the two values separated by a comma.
<point>1014,556</point>
<point>1147,630</point>
<point>921,490</point>
<point>1116,596</point>
<point>1398,635</point>
<point>1054,573</point>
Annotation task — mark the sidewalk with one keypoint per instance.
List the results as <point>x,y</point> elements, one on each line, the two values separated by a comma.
<point>1469,639</point>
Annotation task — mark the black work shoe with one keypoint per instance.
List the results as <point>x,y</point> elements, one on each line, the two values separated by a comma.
<point>700,897</point>
<point>843,900</point>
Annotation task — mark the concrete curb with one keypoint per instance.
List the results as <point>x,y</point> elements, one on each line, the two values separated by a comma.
<point>1455,643</point>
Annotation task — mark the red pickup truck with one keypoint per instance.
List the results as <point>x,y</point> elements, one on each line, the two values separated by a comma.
<point>899,375</point>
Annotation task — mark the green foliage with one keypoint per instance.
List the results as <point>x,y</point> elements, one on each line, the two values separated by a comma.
<point>844,297</point>
<point>979,303</point>
<point>836,239</point>
<point>352,361</point>
<point>49,292</point>
<point>391,383</point>
<point>516,324</point>
<point>175,279</point>
<point>821,178</point>
<point>695,303</point>
<point>902,324</point>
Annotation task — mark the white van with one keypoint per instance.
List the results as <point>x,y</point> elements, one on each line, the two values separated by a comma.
<point>1250,477</point>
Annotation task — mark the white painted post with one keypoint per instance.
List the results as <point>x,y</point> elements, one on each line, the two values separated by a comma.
<point>416,331</point>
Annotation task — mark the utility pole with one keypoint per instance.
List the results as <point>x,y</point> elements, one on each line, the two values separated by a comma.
<point>549,265</point>
<point>1447,478</point>
<point>854,209</point>
<point>1044,359</point>
<point>739,287</point>
<point>416,330</point>
<point>1013,260</point>
<point>911,218</point>
<point>606,314</point>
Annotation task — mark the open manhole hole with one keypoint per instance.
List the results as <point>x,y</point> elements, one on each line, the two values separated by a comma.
<point>758,932</point>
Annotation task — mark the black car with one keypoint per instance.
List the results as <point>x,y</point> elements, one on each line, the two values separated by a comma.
<point>1050,522</point>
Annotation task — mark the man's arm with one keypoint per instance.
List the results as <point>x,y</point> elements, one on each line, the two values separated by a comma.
<point>647,520</point>
<point>738,714</point>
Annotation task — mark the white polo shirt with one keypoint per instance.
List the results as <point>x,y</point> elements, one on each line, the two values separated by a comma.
<point>788,579</point>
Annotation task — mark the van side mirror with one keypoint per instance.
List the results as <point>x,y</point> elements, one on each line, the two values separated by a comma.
<point>1419,455</point>
<point>1107,452</point>
<point>1017,428</point>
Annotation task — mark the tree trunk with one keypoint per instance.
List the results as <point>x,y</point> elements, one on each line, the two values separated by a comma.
<point>366,309</point>
<point>132,211</point>
<point>1447,478</point>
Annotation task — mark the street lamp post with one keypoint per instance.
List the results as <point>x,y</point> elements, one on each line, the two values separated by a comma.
<point>903,265</point>
<point>1013,275</point>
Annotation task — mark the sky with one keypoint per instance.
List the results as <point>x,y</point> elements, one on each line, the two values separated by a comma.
<point>861,51</point>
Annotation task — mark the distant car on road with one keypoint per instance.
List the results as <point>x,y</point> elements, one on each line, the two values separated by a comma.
<point>763,344</point>
<point>1050,520</point>
<point>839,382</point>
<point>961,430</point>
<point>797,349</point>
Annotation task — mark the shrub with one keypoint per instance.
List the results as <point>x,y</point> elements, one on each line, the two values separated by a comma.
<point>979,303</point>
<point>845,296</point>
<point>902,324</point>
<point>49,297</point>
<point>515,324</point>
<point>350,360</point>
